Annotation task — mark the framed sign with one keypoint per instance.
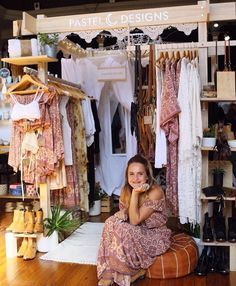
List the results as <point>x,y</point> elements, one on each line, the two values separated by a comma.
<point>112,73</point>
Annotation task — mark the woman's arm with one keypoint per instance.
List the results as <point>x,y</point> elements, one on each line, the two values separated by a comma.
<point>139,214</point>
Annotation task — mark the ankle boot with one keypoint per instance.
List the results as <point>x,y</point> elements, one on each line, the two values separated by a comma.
<point>22,250</point>
<point>212,260</point>
<point>14,222</point>
<point>202,265</point>
<point>30,252</point>
<point>29,218</point>
<point>207,230</point>
<point>220,229</point>
<point>223,260</point>
<point>38,228</point>
<point>20,226</point>
<point>232,229</point>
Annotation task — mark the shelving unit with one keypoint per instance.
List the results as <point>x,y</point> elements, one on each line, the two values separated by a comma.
<point>18,197</point>
<point>205,182</point>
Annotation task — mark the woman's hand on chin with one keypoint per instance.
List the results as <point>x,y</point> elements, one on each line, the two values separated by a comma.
<point>142,188</point>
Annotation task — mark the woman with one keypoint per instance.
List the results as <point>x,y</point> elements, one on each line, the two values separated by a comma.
<point>136,234</point>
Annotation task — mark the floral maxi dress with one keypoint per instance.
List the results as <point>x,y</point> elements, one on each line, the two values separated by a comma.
<point>126,248</point>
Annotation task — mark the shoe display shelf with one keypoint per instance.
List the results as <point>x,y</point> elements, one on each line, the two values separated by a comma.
<point>207,181</point>
<point>11,242</point>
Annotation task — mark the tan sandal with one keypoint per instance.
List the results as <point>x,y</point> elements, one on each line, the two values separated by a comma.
<point>105,282</point>
<point>139,275</point>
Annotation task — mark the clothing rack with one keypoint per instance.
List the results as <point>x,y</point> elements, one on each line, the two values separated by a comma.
<point>53,79</point>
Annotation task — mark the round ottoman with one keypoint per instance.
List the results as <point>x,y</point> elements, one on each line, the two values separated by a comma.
<point>179,260</point>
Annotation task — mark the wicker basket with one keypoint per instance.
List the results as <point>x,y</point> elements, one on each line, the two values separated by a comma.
<point>3,189</point>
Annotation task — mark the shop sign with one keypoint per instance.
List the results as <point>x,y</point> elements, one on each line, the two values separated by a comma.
<point>112,73</point>
<point>114,19</point>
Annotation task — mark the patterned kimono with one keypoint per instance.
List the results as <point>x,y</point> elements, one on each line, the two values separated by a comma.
<point>126,248</point>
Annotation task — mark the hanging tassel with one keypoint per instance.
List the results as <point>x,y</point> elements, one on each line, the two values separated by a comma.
<point>4,89</point>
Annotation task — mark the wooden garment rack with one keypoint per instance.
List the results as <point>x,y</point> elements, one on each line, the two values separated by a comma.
<point>79,94</point>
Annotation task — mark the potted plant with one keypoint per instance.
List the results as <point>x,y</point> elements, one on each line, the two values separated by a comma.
<point>95,209</point>
<point>209,139</point>
<point>48,43</point>
<point>56,226</point>
<point>218,175</point>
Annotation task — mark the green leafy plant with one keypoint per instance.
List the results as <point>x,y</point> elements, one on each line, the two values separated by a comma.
<point>218,170</point>
<point>99,192</point>
<point>60,221</point>
<point>192,229</point>
<point>209,132</point>
<point>48,39</point>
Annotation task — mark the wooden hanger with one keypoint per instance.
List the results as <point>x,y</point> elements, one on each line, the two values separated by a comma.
<point>160,60</point>
<point>177,55</point>
<point>27,85</point>
<point>69,90</point>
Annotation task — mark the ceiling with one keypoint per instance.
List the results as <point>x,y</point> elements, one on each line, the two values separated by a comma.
<point>12,10</point>
<point>26,5</point>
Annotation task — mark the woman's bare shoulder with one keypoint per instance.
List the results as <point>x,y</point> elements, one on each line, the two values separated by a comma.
<point>156,193</point>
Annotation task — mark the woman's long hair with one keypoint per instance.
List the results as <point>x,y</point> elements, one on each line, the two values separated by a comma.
<point>127,189</point>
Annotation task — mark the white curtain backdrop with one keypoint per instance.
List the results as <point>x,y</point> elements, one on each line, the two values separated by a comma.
<point>111,169</point>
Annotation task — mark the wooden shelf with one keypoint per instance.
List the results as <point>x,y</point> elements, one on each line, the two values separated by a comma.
<point>216,99</point>
<point>18,197</point>
<point>5,122</point>
<point>217,243</point>
<point>4,149</point>
<point>205,198</point>
<point>212,149</point>
<point>29,60</point>
<point>32,235</point>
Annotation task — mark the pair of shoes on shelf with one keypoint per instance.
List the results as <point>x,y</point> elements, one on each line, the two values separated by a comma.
<point>27,249</point>
<point>139,275</point>
<point>219,228</point>
<point>216,260</point>
<point>26,222</point>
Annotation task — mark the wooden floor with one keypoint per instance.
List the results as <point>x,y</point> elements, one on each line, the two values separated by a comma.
<point>17,272</point>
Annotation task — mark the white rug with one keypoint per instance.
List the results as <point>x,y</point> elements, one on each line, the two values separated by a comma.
<point>81,247</point>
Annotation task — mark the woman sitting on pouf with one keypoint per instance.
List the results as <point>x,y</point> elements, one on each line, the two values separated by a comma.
<point>135,235</point>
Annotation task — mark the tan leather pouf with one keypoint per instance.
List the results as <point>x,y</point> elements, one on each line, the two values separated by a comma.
<point>179,260</point>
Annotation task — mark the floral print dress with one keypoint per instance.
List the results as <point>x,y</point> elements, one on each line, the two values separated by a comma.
<point>126,248</point>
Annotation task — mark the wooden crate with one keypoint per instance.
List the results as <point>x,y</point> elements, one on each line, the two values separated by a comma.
<point>106,204</point>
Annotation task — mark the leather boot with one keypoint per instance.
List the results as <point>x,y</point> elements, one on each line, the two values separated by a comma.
<point>223,260</point>
<point>15,221</point>
<point>220,229</point>
<point>20,226</point>
<point>202,265</point>
<point>207,230</point>
<point>38,228</point>
<point>212,260</point>
<point>30,252</point>
<point>232,229</point>
<point>29,218</point>
<point>22,250</point>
